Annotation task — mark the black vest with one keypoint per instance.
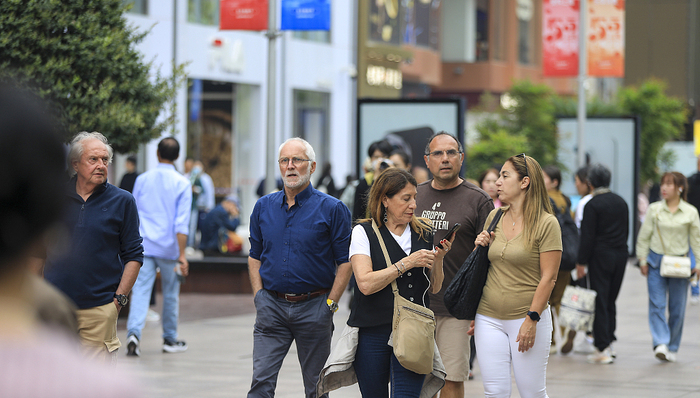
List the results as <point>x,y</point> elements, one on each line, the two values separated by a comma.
<point>378,308</point>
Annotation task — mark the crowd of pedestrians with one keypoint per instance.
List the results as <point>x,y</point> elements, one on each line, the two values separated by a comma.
<point>304,250</point>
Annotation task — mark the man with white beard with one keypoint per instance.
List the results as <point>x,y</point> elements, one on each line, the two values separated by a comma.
<point>299,268</point>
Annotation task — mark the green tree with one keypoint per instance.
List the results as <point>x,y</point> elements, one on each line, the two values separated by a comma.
<point>528,124</point>
<point>80,55</point>
<point>662,119</point>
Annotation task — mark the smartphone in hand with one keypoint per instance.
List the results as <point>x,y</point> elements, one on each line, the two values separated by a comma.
<point>452,231</point>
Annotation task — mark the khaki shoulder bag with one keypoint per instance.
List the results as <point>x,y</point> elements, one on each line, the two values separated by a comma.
<point>413,327</point>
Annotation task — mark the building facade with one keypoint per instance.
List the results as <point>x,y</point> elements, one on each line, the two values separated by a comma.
<point>221,111</point>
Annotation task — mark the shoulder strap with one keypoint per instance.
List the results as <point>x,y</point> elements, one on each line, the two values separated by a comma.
<point>394,287</point>
<point>494,222</point>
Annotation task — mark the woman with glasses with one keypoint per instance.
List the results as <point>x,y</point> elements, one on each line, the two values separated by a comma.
<point>513,325</point>
<point>668,227</point>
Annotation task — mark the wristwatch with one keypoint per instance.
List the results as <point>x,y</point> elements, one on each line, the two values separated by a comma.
<point>121,299</point>
<point>332,305</point>
<point>534,315</point>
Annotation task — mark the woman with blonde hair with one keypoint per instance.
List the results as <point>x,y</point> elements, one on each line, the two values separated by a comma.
<point>513,325</point>
<point>668,227</point>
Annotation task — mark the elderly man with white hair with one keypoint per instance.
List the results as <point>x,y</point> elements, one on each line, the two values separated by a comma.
<point>104,253</point>
<point>299,268</point>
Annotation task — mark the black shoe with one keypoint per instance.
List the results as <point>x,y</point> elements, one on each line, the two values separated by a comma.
<point>132,346</point>
<point>174,346</point>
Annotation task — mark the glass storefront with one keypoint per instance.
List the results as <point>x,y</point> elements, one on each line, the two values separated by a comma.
<point>311,122</point>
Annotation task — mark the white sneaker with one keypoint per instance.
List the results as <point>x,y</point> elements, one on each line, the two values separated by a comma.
<point>661,352</point>
<point>585,346</point>
<point>601,357</point>
<point>694,300</point>
<point>152,316</point>
<point>671,357</point>
<point>132,346</point>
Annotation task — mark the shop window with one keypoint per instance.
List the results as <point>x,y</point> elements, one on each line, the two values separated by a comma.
<point>210,129</point>
<point>137,6</point>
<point>525,12</point>
<point>205,12</point>
<point>482,30</point>
<point>311,116</point>
<point>498,41</point>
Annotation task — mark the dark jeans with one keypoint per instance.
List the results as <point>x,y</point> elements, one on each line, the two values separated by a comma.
<point>376,366</point>
<point>277,324</point>
<point>606,270</point>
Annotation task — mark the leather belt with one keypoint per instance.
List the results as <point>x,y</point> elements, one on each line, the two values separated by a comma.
<point>297,297</point>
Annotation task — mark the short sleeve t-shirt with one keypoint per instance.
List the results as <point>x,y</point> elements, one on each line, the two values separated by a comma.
<point>515,269</point>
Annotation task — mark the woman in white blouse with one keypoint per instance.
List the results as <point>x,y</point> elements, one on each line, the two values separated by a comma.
<point>669,226</point>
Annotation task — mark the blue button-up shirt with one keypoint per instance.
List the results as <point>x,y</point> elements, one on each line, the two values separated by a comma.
<point>164,199</point>
<point>300,247</point>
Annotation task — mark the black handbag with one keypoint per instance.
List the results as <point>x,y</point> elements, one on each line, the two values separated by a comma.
<point>463,295</point>
<point>569,238</point>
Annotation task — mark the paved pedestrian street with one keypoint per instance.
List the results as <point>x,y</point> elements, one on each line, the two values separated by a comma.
<point>218,363</point>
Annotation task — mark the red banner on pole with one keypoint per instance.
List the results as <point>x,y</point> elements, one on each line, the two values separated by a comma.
<point>560,30</point>
<point>243,14</point>
<point>606,38</point>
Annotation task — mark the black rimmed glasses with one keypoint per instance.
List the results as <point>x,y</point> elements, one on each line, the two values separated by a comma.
<point>295,161</point>
<point>451,153</point>
<point>527,172</point>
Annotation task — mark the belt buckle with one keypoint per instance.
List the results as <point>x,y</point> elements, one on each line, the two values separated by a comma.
<point>288,295</point>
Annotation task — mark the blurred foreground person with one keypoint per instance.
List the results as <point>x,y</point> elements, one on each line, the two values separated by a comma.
<point>36,362</point>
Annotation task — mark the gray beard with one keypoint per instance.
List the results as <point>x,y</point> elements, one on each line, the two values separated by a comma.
<point>303,179</point>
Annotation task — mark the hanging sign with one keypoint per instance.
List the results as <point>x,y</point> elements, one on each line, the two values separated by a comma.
<point>306,15</point>
<point>243,14</point>
<point>606,38</point>
<point>560,32</point>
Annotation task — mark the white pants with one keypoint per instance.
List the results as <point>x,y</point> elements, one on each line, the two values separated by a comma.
<point>497,351</point>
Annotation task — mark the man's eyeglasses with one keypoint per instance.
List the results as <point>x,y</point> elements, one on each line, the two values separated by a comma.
<point>452,153</point>
<point>295,161</point>
<point>527,172</point>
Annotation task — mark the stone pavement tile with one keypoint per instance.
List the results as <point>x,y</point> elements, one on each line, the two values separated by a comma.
<point>218,362</point>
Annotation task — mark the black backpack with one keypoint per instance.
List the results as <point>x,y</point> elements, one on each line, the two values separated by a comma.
<point>569,238</point>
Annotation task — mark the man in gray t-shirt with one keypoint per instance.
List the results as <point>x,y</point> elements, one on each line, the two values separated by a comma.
<point>448,199</point>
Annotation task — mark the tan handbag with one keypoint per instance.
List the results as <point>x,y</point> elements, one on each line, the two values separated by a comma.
<point>672,266</point>
<point>413,326</point>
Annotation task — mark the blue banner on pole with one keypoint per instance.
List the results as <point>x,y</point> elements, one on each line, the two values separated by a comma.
<point>195,99</point>
<point>306,15</point>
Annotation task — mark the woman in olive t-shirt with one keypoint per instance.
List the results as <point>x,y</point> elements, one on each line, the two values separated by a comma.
<point>513,325</point>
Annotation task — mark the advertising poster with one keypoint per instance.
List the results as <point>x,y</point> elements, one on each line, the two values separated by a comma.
<point>560,32</point>
<point>606,38</point>
<point>407,124</point>
<point>243,14</point>
<point>306,15</point>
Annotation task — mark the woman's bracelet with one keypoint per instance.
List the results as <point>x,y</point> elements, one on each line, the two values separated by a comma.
<point>403,266</point>
<point>397,269</point>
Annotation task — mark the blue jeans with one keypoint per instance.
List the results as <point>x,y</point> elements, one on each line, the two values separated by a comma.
<point>277,323</point>
<point>376,365</point>
<point>673,291</point>
<point>141,297</point>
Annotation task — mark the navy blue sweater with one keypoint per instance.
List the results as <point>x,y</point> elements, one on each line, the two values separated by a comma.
<point>103,235</point>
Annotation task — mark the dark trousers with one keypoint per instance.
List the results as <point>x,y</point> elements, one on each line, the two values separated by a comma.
<point>278,322</point>
<point>376,365</point>
<point>606,270</point>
